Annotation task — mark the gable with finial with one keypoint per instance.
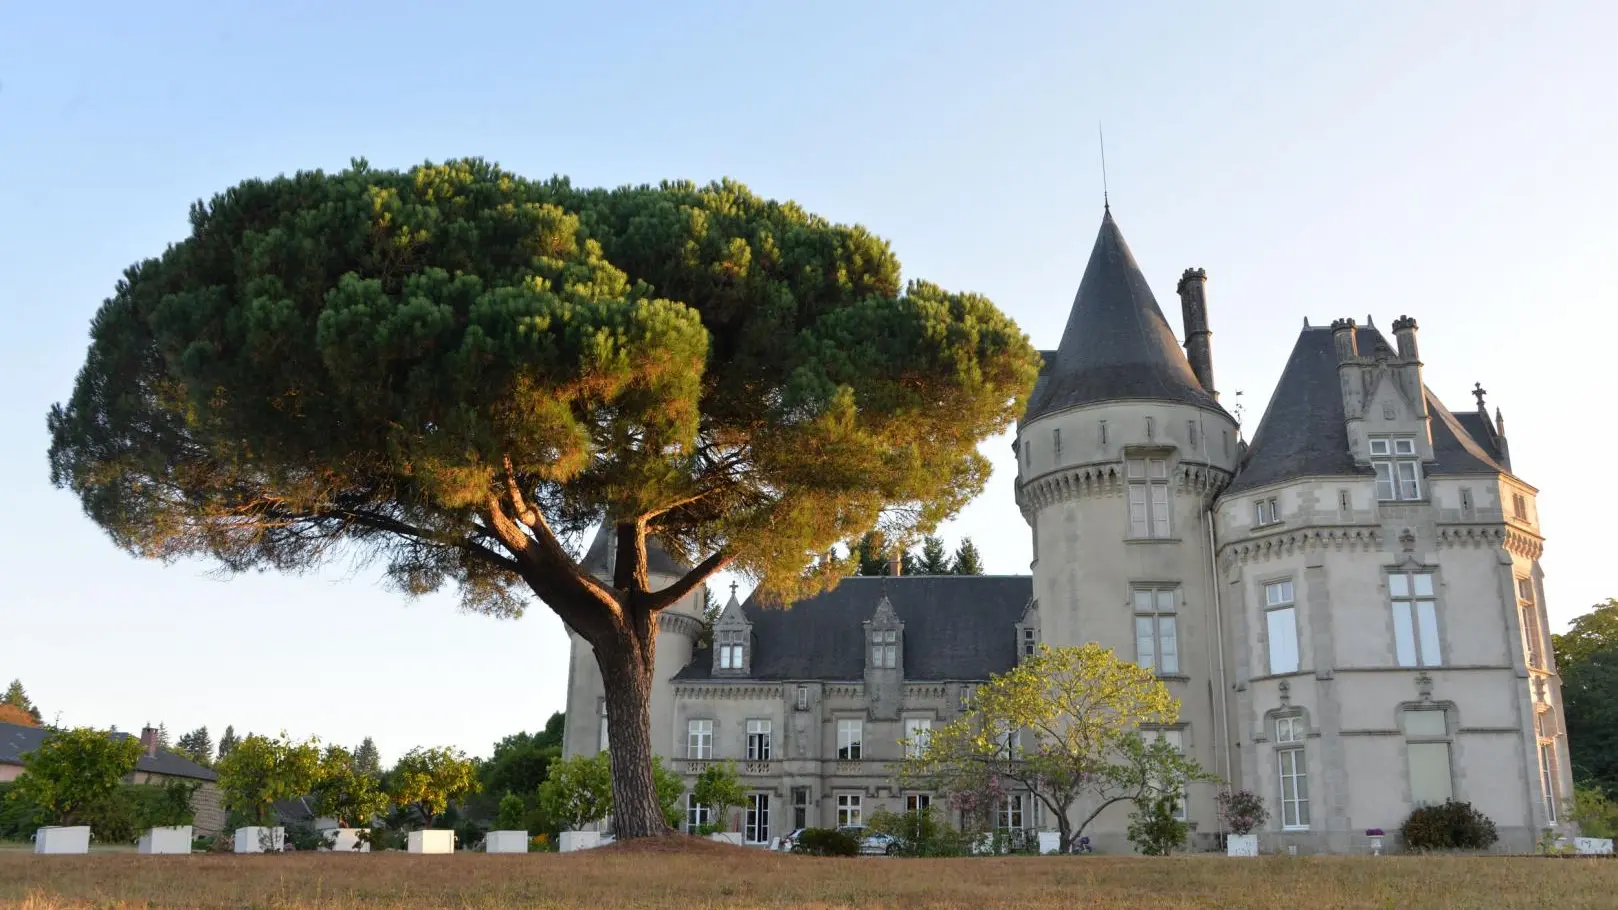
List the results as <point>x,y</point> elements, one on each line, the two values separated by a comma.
<point>732,639</point>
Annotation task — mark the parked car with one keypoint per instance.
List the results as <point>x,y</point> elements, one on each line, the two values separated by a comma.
<point>872,843</point>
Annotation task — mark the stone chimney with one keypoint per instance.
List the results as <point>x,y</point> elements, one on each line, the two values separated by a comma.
<point>1404,331</point>
<point>896,563</point>
<point>1346,339</point>
<point>1193,290</point>
<point>148,740</point>
<point>1409,368</point>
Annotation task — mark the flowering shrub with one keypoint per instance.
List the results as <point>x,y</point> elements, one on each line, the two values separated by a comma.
<point>1242,810</point>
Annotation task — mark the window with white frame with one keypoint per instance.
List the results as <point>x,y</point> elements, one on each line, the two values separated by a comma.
<point>1012,806</point>
<point>1533,636</point>
<point>800,807</point>
<point>730,649</point>
<point>1148,496</point>
<point>885,648</point>
<point>850,739</point>
<point>1267,511</point>
<point>802,701</point>
<point>758,740</point>
<point>917,729</point>
<point>1157,640</point>
<point>918,802</point>
<point>1009,742</point>
<point>1281,626</point>
<point>850,810</point>
<point>1547,778</point>
<point>756,825</point>
<point>601,716</point>
<point>696,814</point>
<point>1398,469</point>
<point>699,739</point>
<point>1175,738</point>
<point>1293,768</point>
<point>1427,750</point>
<point>1415,619</point>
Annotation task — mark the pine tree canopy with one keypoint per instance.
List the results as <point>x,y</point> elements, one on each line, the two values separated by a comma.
<point>451,366</point>
<point>967,560</point>
<point>934,557</point>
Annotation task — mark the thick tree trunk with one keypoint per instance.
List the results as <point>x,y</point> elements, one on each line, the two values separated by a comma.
<point>626,670</point>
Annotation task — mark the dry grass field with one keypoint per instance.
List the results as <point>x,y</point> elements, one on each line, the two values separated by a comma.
<point>733,878</point>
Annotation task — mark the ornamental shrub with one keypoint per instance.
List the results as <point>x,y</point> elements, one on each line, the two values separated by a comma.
<point>827,842</point>
<point>1154,830</point>
<point>1242,810</point>
<point>1451,826</point>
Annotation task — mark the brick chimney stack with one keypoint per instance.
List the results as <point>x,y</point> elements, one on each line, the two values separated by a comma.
<point>1193,290</point>
<point>148,740</point>
<point>896,563</point>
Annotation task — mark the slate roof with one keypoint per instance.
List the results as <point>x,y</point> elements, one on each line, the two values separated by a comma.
<point>17,741</point>
<point>1304,433</point>
<point>1117,345</point>
<point>658,559</point>
<point>955,627</point>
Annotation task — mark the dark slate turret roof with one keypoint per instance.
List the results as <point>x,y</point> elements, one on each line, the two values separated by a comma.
<point>1304,432</point>
<point>955,627</point>
<point>17,740</point>
<point>1117,345</point>
<point>658,560</point>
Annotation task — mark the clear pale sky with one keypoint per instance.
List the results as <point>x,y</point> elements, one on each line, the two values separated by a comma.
<point>1453,161</point>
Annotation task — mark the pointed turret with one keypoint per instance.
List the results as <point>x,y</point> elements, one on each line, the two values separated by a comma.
<point>1117,346</point>
<point>603,553</point>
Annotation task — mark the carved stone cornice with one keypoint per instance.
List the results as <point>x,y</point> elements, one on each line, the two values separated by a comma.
<point>741,690</point>
<point>678,623</point>
<point>926,690</point>
<point>1502,536</point>
<point>1286,543</point>
<point>1105,479</point>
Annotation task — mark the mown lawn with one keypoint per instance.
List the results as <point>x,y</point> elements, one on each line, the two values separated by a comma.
<point>735,878</point>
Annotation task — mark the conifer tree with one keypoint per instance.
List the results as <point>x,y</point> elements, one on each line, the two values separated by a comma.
<point>198,746</point>
<point>967,561</point>
<point>934,558</point>
<point>227,742</point>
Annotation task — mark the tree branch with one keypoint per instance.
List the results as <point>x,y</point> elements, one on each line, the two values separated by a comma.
<point>679,590</point>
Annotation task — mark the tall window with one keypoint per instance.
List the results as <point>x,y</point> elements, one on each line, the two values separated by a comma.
<point>1427,751</point>
<point>758,740</point>
<point>756,826</point>
<point>1175,738</point>
<point>699,739</point>
<point>917,729</point>
<point>1547,778</point>
<point>885,649</point>
<point>1281,623</point>
<point>1011,811</point>
<point>730,649</point>
<point>1009,743</point>
<point>803,698</point>
<point>800,807</point>
<point>1267,511</point>
<point>1157,645</point>
<point>1519,506</point>
<point>1056,437</point>
<point>918,802</point>
<point>696,814</point>
<point>850,810</point>
<point>1533,637</point>
<point>1294,773</point>
<point>1148,497</point>
<point>850,735</point>
<point>1398,470</point>
<point>601,713</point>
<point>1415,619</point>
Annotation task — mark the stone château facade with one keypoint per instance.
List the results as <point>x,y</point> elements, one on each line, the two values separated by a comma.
<point>1350,608</point>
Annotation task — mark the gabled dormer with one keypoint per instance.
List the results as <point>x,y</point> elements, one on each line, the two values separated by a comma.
<point>1385,406</point>
<point>1028,632</point>
<point>884,660</point>
<point>732,640</point>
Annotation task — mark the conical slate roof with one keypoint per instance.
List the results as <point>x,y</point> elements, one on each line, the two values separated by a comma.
<point>1117,345</point>
<point>598,560</point>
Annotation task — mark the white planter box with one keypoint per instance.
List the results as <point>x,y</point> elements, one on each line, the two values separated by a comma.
<point>60,839</point>
<point>579,840</point>
<point>258,839</point>
<point>432,840</point>
<point>506,842</point>
<point>1592,844</point>
<point>727,837</point>
<point>1241,845</point>
<point>345,840</point>
<point>1050,841</point>
<point>166,841</point>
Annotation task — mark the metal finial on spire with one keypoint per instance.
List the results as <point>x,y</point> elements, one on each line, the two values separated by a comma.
<point>1478,391</point>
<point>1106,204</point>
<point>733,588</point>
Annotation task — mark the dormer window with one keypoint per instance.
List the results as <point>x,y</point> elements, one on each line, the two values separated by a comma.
<point>1398,469</point>
<point>885,649</point>
<point>1030,642</point>
<point>731,649</point>
<point>1267,511</point>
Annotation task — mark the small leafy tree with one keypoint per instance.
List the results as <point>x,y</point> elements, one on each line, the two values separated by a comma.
<point>512,814</point>
<point>1063,726</point>
<point>718,788</point>
<point>519,764</point>
<point>967,560</point>
<point>578,791</point>
<point>1153,828</point>
<point>430,779</point>
<point>1242,810</point>
<point>198,746</point>
<point>171,805</point>
<point>340,791</point>
<point>670,787</point>
<point>74,770</point>
<point>1594,812</point>
<point>260,770</point>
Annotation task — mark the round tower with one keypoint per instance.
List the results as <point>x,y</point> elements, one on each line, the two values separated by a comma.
<point>1119,457</point>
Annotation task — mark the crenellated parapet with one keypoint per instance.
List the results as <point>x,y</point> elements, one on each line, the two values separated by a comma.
<point>1107,480</point>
